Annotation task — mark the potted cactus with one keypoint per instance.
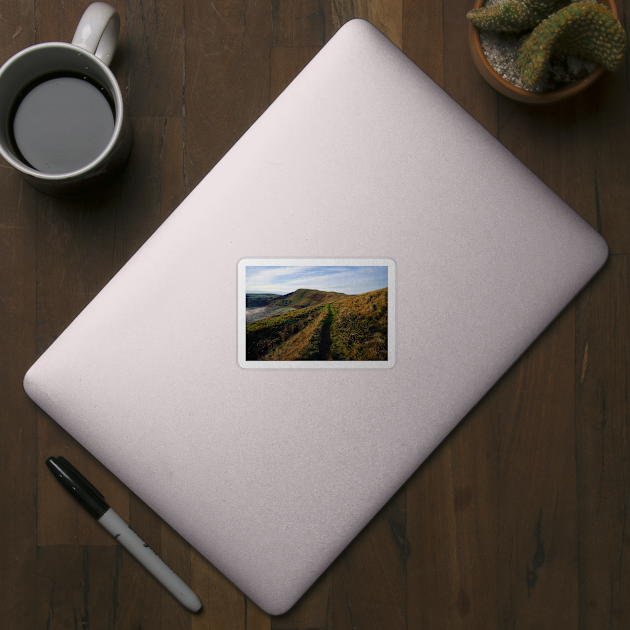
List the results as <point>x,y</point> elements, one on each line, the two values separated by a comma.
<point>557,48</point>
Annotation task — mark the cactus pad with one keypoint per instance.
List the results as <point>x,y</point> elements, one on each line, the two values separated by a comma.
<point>513,16</point>
<point>583,29</point>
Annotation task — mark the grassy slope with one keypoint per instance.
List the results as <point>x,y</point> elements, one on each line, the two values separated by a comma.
<point>359,327</point>
<point>266,335</point>
<point>307,297</point>
<point>358,330</point>
<point>304,345</point>
<point>259,299</point>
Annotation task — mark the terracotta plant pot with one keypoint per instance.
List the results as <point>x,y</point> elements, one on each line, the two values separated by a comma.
<point>512,91</point>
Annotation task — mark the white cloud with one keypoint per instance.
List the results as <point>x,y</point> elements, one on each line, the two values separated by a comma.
<point>283,280</point>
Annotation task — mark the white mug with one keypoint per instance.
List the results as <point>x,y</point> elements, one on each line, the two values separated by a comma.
<point>62,114</point>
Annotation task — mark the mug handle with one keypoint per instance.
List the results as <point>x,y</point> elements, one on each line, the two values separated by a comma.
<point>98,30</point>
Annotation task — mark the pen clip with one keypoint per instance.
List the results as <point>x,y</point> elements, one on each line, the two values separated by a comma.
<point>74,471</point>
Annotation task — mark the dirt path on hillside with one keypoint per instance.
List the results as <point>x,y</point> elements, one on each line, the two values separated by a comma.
<point>325,340</point>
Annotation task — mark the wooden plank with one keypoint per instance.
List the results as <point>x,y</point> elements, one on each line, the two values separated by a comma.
<point>461,78</point>
<point>18,423</point>
<point>18,483</point>
<point>152,185</point>
<point>603,444</point>
<point>255,618</point>
<point>285,64</point>
<point>423,36</point>
<point>537,537</point>
<point>171,159</point>
<point>142,600</point>
<point>76,587</point>
<point>452,527</point>
<point>313,610</point>
<point>224,606</point>
<point>226,78</point>
<point>558,148</point>
<point>57,22</point>
<point>17,28</point>
<point>386,15</point>
<point>300,23</point>
<point>608,127</point>
<point>369,586</point>
<point>154,58</point>
<point>74,257</point>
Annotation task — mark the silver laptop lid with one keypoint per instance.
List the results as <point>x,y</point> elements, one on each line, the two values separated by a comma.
<point>362,164</point>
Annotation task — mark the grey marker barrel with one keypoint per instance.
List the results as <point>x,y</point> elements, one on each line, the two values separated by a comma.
<point>149,559</point>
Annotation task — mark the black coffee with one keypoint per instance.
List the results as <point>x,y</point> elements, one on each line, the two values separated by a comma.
<point>62,123</point>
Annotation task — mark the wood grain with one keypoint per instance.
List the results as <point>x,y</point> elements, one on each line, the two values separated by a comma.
<point>18,324</point>
<point>153,606</point>
<point>226,78</point>
<point>386,15</point>
<point>224,606</point>
<point>154,57</point>
<point>518,520</point>
<point>537,537</point>
<point>609,134</point>
<point>76,587</point>
<point>152,185</point>
<point>369,577</point>
<point>461,79</point>
<point>18,416</point>
<point>452,519</point>
<point>300,23</point>
<point>313,609</point>
<point>602,381</point>
<point>422,36</point>
<point>285,64</point>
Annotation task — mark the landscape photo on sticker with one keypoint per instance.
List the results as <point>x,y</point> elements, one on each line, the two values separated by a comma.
<point>316,313</point>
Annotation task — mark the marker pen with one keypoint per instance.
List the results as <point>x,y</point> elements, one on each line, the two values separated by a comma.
<point>94,502</point>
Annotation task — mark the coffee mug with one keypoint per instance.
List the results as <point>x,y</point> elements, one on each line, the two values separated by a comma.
<point>62,115</point>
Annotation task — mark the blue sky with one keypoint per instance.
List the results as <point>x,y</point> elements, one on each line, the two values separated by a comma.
<point>283,280</point>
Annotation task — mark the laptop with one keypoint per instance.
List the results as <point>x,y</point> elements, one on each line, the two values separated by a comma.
<point>316,316</point>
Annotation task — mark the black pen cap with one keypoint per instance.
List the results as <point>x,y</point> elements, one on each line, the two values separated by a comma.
<point>78,486</point>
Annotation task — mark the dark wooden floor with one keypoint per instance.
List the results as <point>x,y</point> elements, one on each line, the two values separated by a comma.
<point>518,520</point>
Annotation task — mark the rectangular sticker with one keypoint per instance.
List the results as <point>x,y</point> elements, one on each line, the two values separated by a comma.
<point>316,313</point>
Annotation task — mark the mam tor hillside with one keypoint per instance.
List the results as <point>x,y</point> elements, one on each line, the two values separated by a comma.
<point>311,325</point>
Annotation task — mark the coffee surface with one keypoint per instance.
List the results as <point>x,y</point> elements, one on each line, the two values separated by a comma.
<point>62,124</point>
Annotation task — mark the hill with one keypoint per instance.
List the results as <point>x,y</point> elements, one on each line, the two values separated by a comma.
<point>342,328</point>
<point>264,305</point>
<point>258,299</point>
<point>306,297</point>
<point>359,327</point>
<point>293,335</point>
